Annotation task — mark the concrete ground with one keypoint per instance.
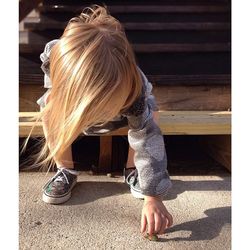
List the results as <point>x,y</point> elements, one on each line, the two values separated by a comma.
<point>102,214</point>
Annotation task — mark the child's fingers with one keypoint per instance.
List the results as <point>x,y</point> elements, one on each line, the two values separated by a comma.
<point>143,223</point>
<point>170,220</point>
<point>151,224</point>
<point>164,222</point>
<point>158,222</point>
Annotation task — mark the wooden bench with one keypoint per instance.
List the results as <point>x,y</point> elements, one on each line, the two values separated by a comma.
<point>170,122</point>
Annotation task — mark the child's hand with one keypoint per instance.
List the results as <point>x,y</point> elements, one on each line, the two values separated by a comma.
<point>155,215</point>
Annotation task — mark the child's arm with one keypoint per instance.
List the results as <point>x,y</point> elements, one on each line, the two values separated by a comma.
<point>45,62</point>
<point>146,139</point>
<point>45,68</point>
<point>150,158</point>
<point>151,162</point>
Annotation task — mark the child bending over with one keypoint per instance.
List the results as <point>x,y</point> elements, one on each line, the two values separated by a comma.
<point>94,86</point>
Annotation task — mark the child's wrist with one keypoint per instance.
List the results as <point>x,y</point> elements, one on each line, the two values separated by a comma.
<point>152,198</point>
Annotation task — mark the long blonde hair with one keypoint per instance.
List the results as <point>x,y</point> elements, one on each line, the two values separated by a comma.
<point>94,78</point>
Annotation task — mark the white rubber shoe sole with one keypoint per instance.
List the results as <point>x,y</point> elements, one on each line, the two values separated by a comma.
<point>136,194</point>
<point>58,200</point>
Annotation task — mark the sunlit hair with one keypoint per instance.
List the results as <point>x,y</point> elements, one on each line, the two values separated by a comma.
<point>94,78</point>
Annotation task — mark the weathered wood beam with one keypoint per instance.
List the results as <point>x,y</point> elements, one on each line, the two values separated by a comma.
<point>168,97</point>
<point>170,122</point>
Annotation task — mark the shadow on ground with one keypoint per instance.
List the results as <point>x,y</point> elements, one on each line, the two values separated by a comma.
<point>85,192</point>
<point>206,228</point>
<point>180,187</point>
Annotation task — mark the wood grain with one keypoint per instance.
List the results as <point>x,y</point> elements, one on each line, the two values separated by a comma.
<point>149,48</point>
<point>168,97</point>
<point>105,156</point>
<point>219,148</point>
<point>44,23</point>
<point>193,97</point>
<point>183,80</point>
<point>28,95</point>
<point>170,123</point>
<point>141,8</point>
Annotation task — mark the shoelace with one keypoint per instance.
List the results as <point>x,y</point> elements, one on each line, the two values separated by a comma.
<point>132,177</point>
<point>60,178</point>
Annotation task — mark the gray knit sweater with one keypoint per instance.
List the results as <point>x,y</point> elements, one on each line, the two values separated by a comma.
<point>144,135</point>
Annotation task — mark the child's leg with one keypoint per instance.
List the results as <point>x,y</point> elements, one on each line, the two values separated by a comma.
<point>131,152</point>
<point>58,189</point>
<point>66,160</point>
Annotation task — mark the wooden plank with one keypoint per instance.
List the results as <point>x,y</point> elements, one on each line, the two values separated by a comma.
<point>137,2</point>
<point>178,26</point>
<point>200,98</point>
<point>105,156</point>
<point>29,64</point>
<point>149,48</point>
<point>219,148</point>
<point>189,80</point>
<point>25,127</point>
<point>195,122</point>
<point>28,95</point>
<point>170,122</point>
<point>166,17</point>
<point>180,37</point>
<point>31,79</point>
<point>177,47</point>
<point>42,24</point>
<point>141,8</point>
<point>193,97</point>
<point>168,97</point>
<point>162,63</point>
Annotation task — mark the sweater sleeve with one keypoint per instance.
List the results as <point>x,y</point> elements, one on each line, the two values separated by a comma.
<point>45,68</point>
<point>146,138</point>
<point>45,62</point>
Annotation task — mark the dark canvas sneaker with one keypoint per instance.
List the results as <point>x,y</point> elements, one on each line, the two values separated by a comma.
<point>58,189</point>
<point>133,182</point>
<point>126,172</point>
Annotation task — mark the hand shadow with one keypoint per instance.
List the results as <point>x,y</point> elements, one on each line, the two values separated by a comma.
<point>206,228</point>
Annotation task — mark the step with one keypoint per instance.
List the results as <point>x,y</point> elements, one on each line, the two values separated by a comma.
<point>180,95</point>
<point>147,48</point>
<point>186,63</point>
<point>170,123</point>
<point>148,14</point>
<point>184,80</point>
<point>159,63</point>
<point>34,23</point>
<point>146,17</point>
<point>139,36</point>
<point>57,8</point>
<point>138,2</point>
